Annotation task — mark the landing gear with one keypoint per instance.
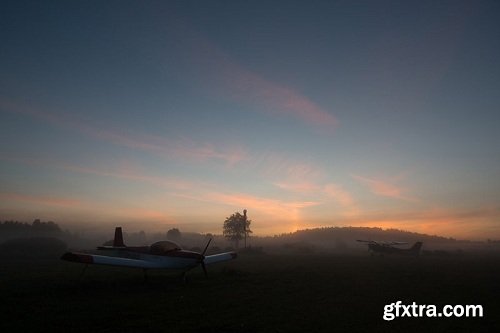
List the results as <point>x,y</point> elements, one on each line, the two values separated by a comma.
<point>83,272</point>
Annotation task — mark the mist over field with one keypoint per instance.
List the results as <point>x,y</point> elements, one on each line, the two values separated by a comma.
<point>340,240</point>
<point>319,280</point>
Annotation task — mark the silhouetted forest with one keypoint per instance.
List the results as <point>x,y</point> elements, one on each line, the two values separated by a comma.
<point>38,239</point>
<point>343,239</point>
<point>328,239</point>
<point>36,226</point>
<point>15,229</point>
<point>337,236</point>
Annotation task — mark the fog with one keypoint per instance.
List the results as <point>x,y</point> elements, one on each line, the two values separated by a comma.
<point>339,240</point>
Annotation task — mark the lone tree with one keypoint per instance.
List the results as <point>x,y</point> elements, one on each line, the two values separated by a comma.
<point>237,227</point>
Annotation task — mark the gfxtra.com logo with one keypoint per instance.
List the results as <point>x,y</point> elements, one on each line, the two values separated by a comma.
<point>415,310</point>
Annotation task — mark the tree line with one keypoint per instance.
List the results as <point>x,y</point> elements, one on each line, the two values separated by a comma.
<point>35,226</point>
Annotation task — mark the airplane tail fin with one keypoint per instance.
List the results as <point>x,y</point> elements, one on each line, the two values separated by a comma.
<point>118,241</point>
<point>416,247</point>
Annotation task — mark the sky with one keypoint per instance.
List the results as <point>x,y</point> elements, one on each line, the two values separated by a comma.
<point>161,114</point>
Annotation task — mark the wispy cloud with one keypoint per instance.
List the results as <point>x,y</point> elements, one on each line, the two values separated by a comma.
<point>326,194</point>
<point>275,208</point>
<point>125,170</point>
<point>183,148</point>
<point>307,180</point>
<point>40,199</point>
<point>218,72</point>
<point>250,87</point>
<point>340,195</point>
<point>177,187</point>
<point>303,187</point>
<point>384,188</point>
<point>284,168</point>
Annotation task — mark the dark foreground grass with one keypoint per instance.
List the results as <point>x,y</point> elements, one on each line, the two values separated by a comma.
<point>266,293</point>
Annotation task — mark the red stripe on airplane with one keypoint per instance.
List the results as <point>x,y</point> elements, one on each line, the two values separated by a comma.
<point>183,254</point>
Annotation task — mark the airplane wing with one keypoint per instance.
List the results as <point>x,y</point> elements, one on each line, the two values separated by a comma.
<point>220,257</point>
<point>396,243</point>
<point>85,258</point>
<point>107,248</point>
<point>383,243</point>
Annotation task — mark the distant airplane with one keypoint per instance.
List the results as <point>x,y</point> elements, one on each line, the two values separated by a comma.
<point>389,247</point>
<point>160,255</point>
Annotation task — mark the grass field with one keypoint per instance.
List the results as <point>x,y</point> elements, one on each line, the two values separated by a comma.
<point>255,293</point>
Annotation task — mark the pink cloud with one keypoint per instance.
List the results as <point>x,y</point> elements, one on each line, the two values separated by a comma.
<point>384,188</point>
<point>339,194</point>
<point>177,149</point>
<point>307,180</point>
<point>284,169</point>
<point>325,193</point>
<point>42,199</point>
<point>204,151</point>
<point>247,86</point>
<point>125,170</point>
<point>278,209</point>
<point>219,73</point>
<point>303,187</point>
<point>184,149</point>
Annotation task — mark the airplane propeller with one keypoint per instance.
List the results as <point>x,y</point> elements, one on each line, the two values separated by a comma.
<point>202,262</point>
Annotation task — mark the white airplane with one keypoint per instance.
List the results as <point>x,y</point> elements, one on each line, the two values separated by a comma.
<point>390,247</point>
<point>160,255</point>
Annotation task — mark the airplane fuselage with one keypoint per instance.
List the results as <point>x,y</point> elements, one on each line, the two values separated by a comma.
<point>389,249</point>
<point>180,259</point>
<point>163,254</point>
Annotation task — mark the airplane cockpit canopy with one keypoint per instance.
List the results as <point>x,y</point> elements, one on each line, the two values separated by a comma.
<point>163,247</point>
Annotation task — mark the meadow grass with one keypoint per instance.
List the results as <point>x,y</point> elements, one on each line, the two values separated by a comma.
<point>255,293</point>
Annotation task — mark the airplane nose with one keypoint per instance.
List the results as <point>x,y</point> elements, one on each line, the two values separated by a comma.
<point>77,257</point>
<point>188,254</point>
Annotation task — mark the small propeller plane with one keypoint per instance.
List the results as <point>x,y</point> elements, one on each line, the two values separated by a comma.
<point>390,247</point>
<point>160,255</point>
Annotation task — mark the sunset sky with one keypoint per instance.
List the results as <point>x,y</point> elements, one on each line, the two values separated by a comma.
<point>160,114</point>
